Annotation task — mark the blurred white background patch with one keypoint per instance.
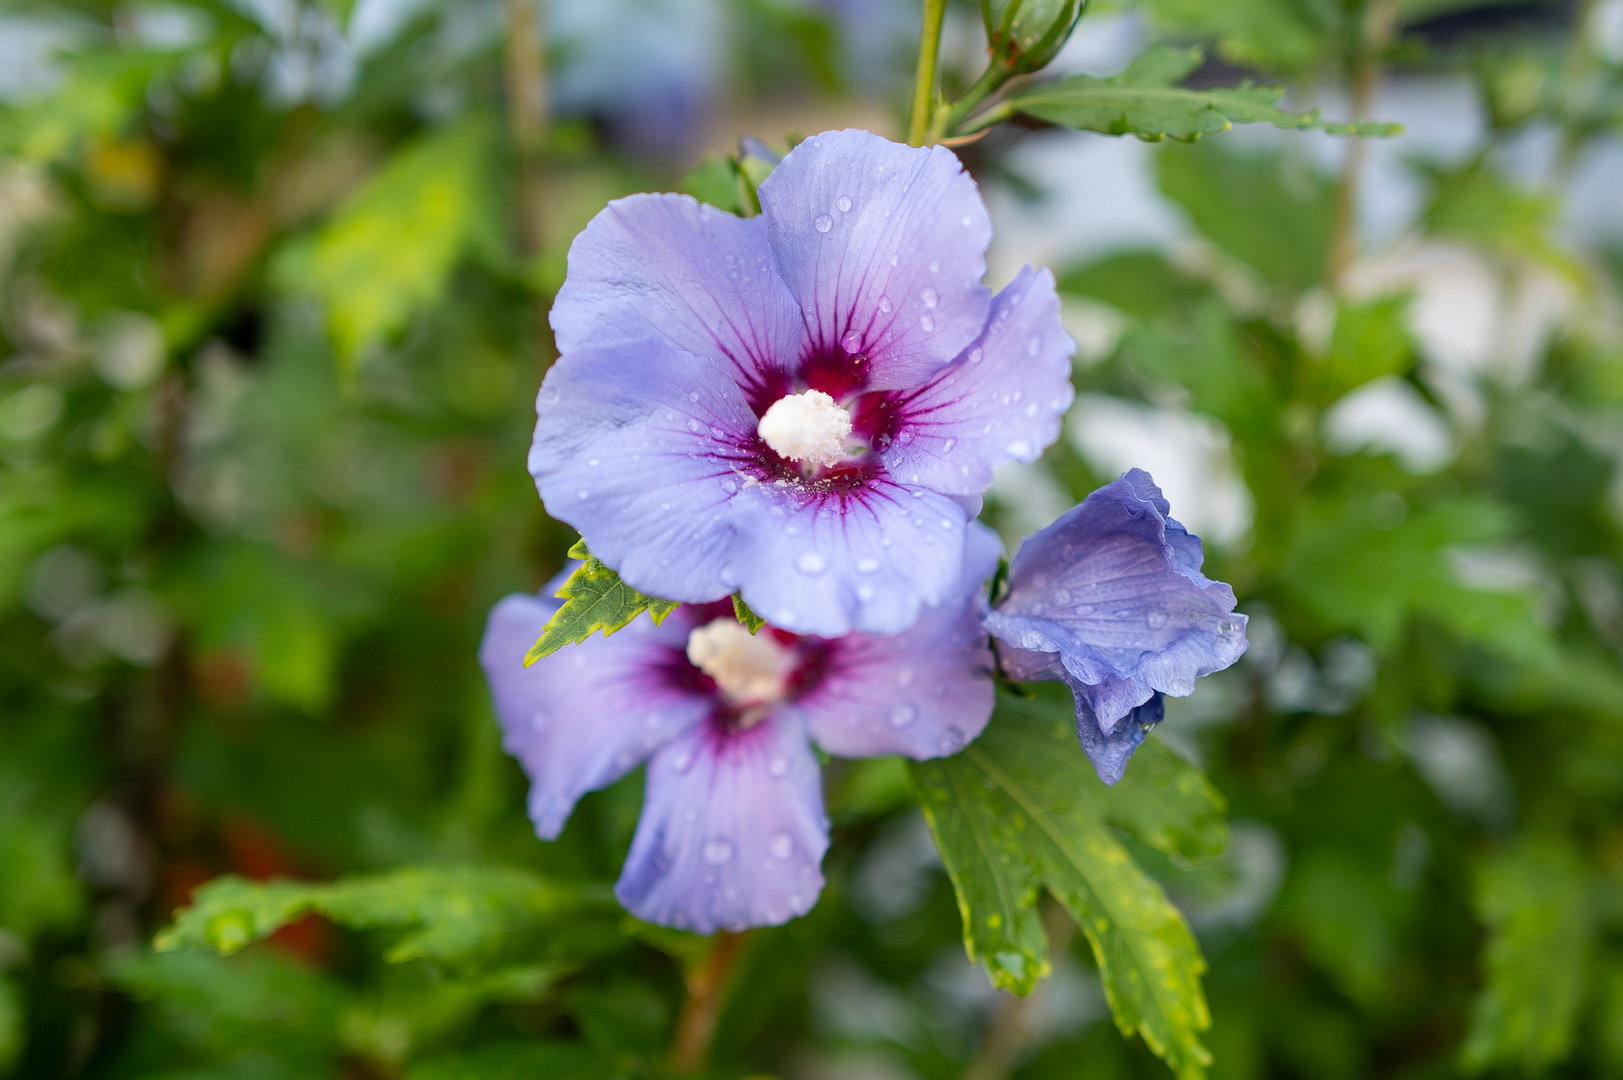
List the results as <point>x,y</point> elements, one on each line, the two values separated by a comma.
<point>1188,455</point>
<point>1388,416</point>
<point>1461,762</point>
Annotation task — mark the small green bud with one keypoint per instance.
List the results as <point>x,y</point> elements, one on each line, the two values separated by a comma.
<point>1024,35</point>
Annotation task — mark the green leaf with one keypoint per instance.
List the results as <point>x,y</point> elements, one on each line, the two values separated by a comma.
<point>101,92</point>
<point>1359,572</point>
<point>437,194</point>
<point>1021,809</point>
<point>716,182</point>
<point>1369,340</point>
<point>12,1027</point>
<point>1268,35</point>
<point>594,599</point>
<point>741,610</point>
<point>1479,206</point>
<point>225,1005</point>
<point>1535,901</point>
<point>1145,101</point>
<point>448,914</point>
<point>1270,210</point>
<point>37,884</point>
<point>516,1061</point>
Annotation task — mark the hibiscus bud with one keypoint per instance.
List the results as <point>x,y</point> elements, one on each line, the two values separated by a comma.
<point>1024,35</point>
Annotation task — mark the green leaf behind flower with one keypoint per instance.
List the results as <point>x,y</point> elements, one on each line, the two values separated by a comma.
<point>1146,101</point>
<point>1021,809</point>
<point>1535,901</point>
<point>594,599</point>
<point>448,914</point>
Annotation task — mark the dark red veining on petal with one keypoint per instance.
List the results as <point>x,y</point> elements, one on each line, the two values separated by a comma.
<point>834,371</point>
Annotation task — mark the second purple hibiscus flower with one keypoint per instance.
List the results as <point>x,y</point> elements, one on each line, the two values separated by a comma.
<point>804,407</point>
<point>1110,600</point>
<point>733,831</point>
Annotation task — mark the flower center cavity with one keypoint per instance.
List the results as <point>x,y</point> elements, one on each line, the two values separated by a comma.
<point>748,669</point>
<point>809,428</point>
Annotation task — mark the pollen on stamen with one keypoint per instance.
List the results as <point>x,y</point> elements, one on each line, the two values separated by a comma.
<point>807,428</point>
<point>748,669</point>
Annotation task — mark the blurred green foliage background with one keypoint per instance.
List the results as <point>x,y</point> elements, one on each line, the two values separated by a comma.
<point>273,284</point>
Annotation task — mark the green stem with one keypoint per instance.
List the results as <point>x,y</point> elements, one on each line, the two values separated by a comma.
<point>951,121</point>
<point>918,120</point>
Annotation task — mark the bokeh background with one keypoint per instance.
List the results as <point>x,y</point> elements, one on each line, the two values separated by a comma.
<point>273,285</point>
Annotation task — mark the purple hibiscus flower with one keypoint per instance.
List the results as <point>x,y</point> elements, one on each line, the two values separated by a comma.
<point>1110,599</point>
<point>733,830</point>
<point>805,406</point>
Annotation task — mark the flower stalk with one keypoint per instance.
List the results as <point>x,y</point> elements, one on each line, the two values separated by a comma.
<point>706,992</point>
<point>924,93</point>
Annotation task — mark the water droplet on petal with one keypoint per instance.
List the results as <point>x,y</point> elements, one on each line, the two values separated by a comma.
<point>952,741</point>
<point>975,355</point>
<point>1034,346</point>
<point>1031,640</point>
<point>823,223</point>
<point>926,323</point>
<point>903,715</point>
<point>682,762</point>
<point>1156,619</point>
<point>843,203</point>
<point>693,395</point>
<point>717,852</point>
<point>778,765</point>
<point>810,563</point>
<point>780,845</point>
<point>935,268</point>
<point>895,258</point>
<point>885,305</point>
<point>1031,410</point>
<point>946,447</point>
<point>1020,448</point>
<point>929,298</point>
<point>852,342</point>
<point>582,494</point>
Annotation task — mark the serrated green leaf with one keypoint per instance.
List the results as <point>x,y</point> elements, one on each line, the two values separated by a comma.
<point>448,914</point>
<point>1535,901</point>
<point>594,599</point>
<point>745,615</point>
<point>1145,101</point>
<point>1021,809</point>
